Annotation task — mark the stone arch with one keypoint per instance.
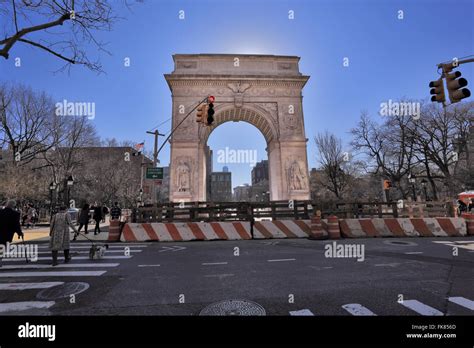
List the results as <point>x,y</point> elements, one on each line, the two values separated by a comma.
<point>257,118</point>
<point>263,90</point>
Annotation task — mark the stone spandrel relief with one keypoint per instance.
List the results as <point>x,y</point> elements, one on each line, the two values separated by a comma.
<point>297,179</point>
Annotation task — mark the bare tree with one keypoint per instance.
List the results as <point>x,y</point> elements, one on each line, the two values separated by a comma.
<point>76,19</point>
<point>388,148</point>
<point>334,163</point>
<point>27,119</point>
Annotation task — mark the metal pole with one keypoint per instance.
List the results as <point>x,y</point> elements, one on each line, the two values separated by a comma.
<point>179,124</point>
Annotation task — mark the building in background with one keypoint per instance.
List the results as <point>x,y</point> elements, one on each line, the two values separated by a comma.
<point>221,186</point>
<point>260,172</point>
<point>242,193</point>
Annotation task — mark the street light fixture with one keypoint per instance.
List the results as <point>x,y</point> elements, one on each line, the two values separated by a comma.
<point>52,188</point>
<point>412,181</point>
<point>423,184</point>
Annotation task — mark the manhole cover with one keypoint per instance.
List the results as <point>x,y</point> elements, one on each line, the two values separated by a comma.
<point>399,242</point>
<point>62,291</point>
<point>233,307</point>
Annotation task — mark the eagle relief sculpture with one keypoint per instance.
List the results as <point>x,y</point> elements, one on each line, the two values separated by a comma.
<point>238,88</point>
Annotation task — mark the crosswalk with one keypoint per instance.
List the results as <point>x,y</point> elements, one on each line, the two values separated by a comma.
<point>417,307</point>
<point>16,274</point>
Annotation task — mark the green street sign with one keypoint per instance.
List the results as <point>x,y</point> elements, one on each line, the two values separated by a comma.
<point>154,173</point>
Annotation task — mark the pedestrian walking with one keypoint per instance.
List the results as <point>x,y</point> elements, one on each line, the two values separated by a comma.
<point>9,224</point>
<point>97,217</point>
<point>30,216</point>
<point>83,220</point>
<point>116,214</point>
<point>105,211</point>
<point>59,233</point>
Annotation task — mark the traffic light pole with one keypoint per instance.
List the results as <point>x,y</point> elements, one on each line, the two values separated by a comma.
<point>455,64</point>
<point>179,124</point>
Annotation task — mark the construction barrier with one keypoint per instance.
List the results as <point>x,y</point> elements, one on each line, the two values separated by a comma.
<point>469,217</point>
<point>402,227</point>
<point>282,229</point>
<point>114,231</point>
<point>185,231</point>
<point>318,231</point>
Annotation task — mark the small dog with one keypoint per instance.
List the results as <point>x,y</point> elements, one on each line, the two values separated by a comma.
<point>97,252</point>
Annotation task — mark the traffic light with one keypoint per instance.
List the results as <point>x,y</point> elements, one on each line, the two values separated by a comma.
<point>455,87</point>
<point>210,114</point>
<point>201,112</point>
<point>437,89</point>
<point>387,184</point>
<point>210,110</point>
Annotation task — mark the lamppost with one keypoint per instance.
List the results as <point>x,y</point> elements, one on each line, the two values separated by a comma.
<point>412,180</point>
<point>69,183</point>
<point>423,184</point>
<point>52,188</point>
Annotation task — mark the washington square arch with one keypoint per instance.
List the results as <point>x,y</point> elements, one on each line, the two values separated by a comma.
<point>263,90</point>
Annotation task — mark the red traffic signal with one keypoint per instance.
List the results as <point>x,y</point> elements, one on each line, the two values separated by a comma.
<point>210,99</point>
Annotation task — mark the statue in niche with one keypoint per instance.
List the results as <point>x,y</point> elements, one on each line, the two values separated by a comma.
<point>183,177</point>
<point>296,177</point>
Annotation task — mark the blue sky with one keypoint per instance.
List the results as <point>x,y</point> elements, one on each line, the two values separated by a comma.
<point>389,58</point>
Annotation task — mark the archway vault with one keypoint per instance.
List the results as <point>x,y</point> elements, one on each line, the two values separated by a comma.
<point>247,114</point>
<point>263,90</point>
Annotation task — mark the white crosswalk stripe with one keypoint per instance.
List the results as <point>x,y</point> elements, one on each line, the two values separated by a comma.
<point>42,258</point>
<point>420,307</point>
<point>23,306</point>
<point>61,265</point>
<point>463,302</point>
<point>16,268</point>
<point>29,286</point>
<point>357,309</point>
<point>52,274</point>
<point>302,312</point>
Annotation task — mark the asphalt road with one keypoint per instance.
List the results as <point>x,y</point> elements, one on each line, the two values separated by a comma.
<point>398,276</point>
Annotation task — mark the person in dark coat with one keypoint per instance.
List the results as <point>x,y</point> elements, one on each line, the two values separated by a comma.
<point>83,220</point>
<point>9,223</point>
<point>97,217</point>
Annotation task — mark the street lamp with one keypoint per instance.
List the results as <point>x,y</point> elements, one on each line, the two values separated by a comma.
<point>412,180</point>
<point>423,184</point>
<point>52,188</point>
<point>69,183</point>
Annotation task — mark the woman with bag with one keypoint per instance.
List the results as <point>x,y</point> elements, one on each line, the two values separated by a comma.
<point>59,232</point>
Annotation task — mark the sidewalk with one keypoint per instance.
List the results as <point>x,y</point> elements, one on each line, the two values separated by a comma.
<point>41,234</point>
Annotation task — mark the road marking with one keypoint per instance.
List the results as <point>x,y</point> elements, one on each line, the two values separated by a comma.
<point>278,260</point>
<point>75,246</point>
<point>414,252</point>
<point>462,302</point>
<point>87,252</point>
<point>23,306</point>
<point>271,243</point>
<point>219,275</point>
<point>148,265</point>
<point>53,274</point>
<point>62,265</point>
<point>420,308</point>
<point>171,248</point>
<point>394,264</point>
<point>27,286</point>
<point>357,309</point>
<point>302,312</point>
<point>74,258</point>
<point>213,263</point>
